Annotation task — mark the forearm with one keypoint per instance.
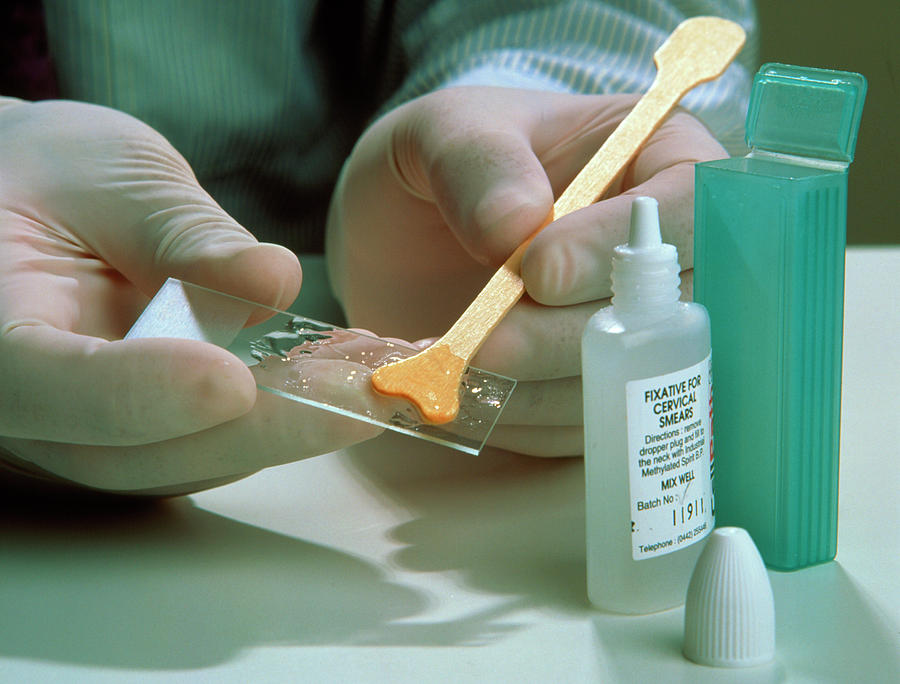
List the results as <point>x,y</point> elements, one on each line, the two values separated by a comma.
<point>587,47</point>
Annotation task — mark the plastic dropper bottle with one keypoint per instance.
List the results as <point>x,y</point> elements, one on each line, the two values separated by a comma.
<point>648,429</point>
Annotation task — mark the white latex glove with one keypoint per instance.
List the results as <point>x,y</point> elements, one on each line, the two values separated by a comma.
<point>440,191</point>
<point>96,210</point>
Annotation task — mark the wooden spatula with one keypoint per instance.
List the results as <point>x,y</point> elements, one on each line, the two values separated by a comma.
<point>699,50</point>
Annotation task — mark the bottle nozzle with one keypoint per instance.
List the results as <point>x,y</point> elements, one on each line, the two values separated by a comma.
<point>645,271</point>
<point>644,232</point>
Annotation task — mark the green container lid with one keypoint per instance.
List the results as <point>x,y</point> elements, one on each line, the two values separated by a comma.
<point>805,111</point>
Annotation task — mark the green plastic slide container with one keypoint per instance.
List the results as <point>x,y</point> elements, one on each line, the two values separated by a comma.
<point>770,233</point>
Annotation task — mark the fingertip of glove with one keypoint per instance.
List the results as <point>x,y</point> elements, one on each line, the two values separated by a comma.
<point>560,272</point>
<point>271,273</point>
<point>208,385</point>
<point>158,388</point>
<point>546,273</point>
<point>503,221</point>
<point>263,273</point>
<point>222,387</point>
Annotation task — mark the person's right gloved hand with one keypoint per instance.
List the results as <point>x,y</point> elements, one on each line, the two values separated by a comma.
<point>96,211</point>
<point>439,192</point>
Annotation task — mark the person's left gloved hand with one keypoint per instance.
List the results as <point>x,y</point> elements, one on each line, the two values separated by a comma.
<point>96,211</point>
<point>440,191</point>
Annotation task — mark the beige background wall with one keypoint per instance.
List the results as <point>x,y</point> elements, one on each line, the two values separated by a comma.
<point>861,36</point>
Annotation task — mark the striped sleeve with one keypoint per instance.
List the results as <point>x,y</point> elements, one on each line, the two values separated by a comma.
<point>581,46</point>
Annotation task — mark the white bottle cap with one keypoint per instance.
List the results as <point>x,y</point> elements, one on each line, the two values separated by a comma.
<point>729,614</point>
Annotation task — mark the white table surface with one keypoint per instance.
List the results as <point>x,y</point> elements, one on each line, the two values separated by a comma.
<point>399,561</point>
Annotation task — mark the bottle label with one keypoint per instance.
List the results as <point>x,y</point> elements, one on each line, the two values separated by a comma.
<point>670,460</point>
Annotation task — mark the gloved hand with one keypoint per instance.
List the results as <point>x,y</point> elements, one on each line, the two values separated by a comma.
<point>440,191</point>
<point>96,210</point>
